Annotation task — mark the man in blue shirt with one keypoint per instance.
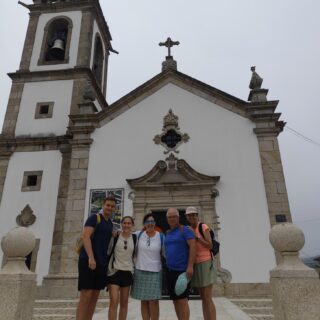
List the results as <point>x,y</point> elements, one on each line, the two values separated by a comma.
<point>180,254</point>
<point>93,260</point>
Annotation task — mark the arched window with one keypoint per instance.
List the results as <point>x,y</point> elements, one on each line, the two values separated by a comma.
<point>98,57</point>
<point>56,41</point>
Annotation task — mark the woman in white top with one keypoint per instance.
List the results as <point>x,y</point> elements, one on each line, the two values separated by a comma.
<point>120,269</point>
<point>148,276</point>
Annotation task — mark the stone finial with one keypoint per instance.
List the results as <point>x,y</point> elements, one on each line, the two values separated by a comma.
<point>286,237</point>
<point>295,287</point>
<point>256,80</point>
<point>257,94</point>
<point>16,245</point>
<point>26,218</point>
<point>169,63</point>
<point>169,44</point>
<point>288,240</point>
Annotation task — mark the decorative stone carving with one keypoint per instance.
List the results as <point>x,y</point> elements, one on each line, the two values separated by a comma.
<point>171,138</point>
<point>170,121</point>
<point>256,80</point>
<point>257,94</point>
<point>131,195</point>
<point>224,276</point>
<point>26,218</point>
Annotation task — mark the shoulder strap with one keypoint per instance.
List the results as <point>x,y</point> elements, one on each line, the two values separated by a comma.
<point>112,250</point>
<point>201,229</point>
<point>98,218</point>
<point>114,244</point>
<point>134,238</point>
<point>140,234</point>
<point>161,238</point>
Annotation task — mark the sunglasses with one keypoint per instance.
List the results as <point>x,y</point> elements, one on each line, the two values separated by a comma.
<point>149,222</point>
<point>125,244</point>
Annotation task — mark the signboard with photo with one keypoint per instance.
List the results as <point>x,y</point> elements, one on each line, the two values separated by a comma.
<point>96,201</point>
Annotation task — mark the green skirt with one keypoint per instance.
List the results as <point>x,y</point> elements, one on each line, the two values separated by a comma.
<point>146,285</point>
<point>204,274</point>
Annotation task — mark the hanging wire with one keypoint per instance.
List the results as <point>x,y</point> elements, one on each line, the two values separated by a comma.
<point>302,136</point>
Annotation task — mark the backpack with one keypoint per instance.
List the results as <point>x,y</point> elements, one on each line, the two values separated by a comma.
<point>79,241</point>
<point>115,240</point>
<point>215,244</point>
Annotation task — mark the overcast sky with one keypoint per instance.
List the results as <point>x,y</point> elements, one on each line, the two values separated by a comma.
<point>219,42</point>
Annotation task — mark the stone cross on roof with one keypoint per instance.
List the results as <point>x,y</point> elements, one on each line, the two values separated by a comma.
<point>169,44</point>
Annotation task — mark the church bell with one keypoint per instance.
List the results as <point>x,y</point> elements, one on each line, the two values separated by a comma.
<point>57,50</point>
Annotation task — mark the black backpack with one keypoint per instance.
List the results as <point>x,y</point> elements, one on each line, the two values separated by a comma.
<point>115,240</point>
<point>215,244</point>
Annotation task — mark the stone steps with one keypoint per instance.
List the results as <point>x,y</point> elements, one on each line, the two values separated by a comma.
<point>256,308</point>
<point>61,309</point>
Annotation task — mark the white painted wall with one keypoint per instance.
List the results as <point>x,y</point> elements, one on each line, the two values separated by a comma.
<point>221,143</point>
<point>42,202</point>
<point>60,92</point>
<point>75,16</point>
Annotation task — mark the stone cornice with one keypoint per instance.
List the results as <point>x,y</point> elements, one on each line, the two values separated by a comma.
<point>9,144</point>
<point>84,129</point>
<point>264,115</point>
<point>172,173</point>
<point>263,132</point>
<point>81,143</point>
<point>64,74</point>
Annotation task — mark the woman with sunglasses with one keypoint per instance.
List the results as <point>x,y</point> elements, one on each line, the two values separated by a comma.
<point>204,273</point>
<point>148,276</point>
<point>120,269</point>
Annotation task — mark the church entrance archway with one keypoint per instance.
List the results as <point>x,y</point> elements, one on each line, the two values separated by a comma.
<point>173,183</point>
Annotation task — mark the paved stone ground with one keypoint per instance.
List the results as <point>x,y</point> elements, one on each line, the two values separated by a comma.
<point>226,310</point>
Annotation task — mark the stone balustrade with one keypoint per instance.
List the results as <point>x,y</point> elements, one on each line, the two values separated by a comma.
<point>17,283</point>
<point>295,287</point>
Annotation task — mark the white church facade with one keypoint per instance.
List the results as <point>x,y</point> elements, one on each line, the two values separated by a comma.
<point>173,141</point>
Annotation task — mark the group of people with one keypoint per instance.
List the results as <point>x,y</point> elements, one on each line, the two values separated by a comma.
<point>131,263</point>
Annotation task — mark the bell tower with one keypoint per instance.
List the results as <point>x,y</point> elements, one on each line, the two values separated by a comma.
<point>46,137</point>
<point>65,55</point>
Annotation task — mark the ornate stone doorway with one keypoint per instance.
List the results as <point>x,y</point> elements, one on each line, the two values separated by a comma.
<point>173,183</point>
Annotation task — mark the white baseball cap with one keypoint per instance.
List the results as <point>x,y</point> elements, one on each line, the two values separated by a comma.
<point>190,210</point>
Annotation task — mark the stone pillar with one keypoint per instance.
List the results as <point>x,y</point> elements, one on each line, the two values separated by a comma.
<point>17,283</point>
<point>10,120</point>
<point>268,127</point>
<point>295,287</point>
<point>5,155</point>
<point>273,175</point>
<point>29,41</point>
<point>84,50</point>
<point>61,210</point>
<point>61,282</point>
